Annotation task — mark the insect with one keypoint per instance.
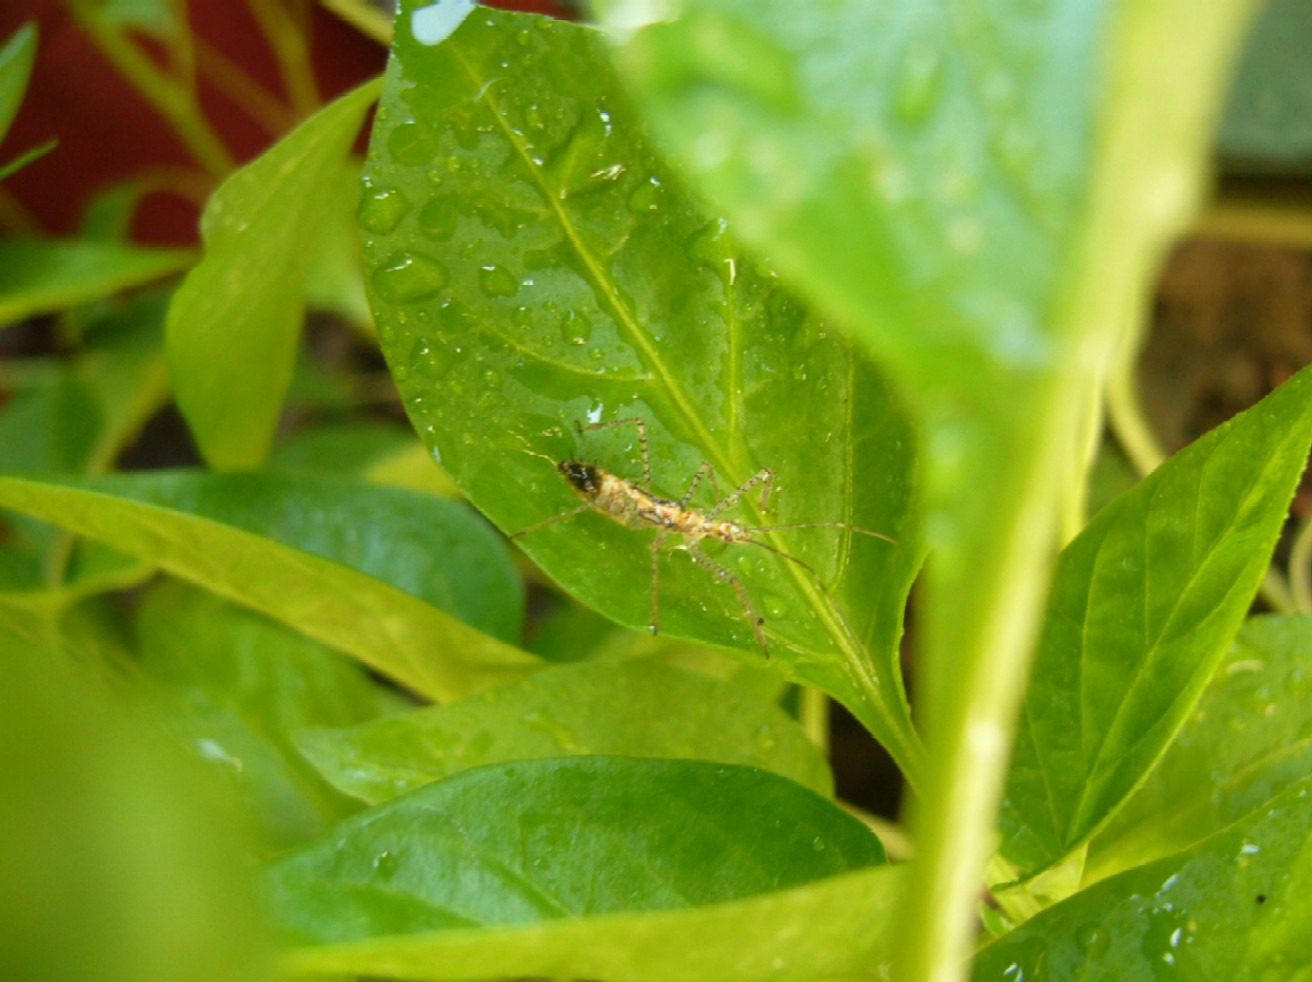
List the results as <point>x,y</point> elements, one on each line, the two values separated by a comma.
<point>636,507</point>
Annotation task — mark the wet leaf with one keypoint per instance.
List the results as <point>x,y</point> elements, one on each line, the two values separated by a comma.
<point>1144,603</point>
<point>1236,906</point>
<point>1249,738</point>
<point>633,709</point>
<point>538,840</point>
<point>534,266</point>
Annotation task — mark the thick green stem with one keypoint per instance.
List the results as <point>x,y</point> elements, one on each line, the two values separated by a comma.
<point>985,595</point>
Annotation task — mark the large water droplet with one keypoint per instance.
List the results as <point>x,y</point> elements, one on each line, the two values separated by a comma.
<point>409,278</point>
<point>381,210</point>
<point>437,218</point>
<point>427,359</point>
<point>497,281</point>
<point>411,143</point>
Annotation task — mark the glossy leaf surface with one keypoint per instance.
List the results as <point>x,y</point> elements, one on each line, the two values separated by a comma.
<point>838,929</point>
<point>1143,605</point>
<point>196,527</point>
<point>1249,737</point>
<point>538,840</point>
<point>533,265</point>
<point>1236,906</point>
<point>239,687</point>
<point>634,709</point>
<point>235,322</point>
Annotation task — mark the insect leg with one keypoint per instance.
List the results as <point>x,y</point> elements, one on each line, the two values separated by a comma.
<point>724,576</point>
<point>764,476</point>
<point>705,470</point>
<point>640,426</point>
<point>656,584</point>
<point>577,510</point>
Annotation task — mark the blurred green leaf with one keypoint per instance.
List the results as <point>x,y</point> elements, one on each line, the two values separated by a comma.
<point>1249,738</point>
<point>240,687</point>
<point>1236,906</point>
<point>86,408</point>
<point>235,322</point>
<point>1143,605</point>
<point>532,265</point>
<point>26,157</point>
<point>633,709</point>
<point>334,279</point>
<point>538,840</point>
<point>156,17</point>
<point>16,58</point>
<point>40,276</point>
<point>194,525</point>
<point>122,861</point>
<point>838,929</point>
<point>1267,123</point>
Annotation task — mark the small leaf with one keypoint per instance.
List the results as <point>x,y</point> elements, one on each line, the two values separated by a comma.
<point>533,265</point>
<point>235,321</point>
<point>1249,738</point>
<point>1143,605</point>
<point>1236,906</point>
<point>239,686</point>
<point>538,840</point>
<point>16,58</point>
<point>40,276</point>
<point>387,629</point>
<point>633,709</point>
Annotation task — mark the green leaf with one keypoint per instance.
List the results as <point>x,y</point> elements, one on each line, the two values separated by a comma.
<point>334,280</point>
<point>1266,122</point>
<point>389,630</point>
<point>633,709</point>
<point>26,157</point>
<point>532,265</point>
<point>39,276</point>
<point>537,840</point>
<point>16,58</point>
<point>80,414</point>
<point>840,928</point>
<point>123,860</point>
<point>1143,605</point>
<point>1234,907</point>
<point>1249,738</point>
<point>236,320</point>
<point>240,686</point>
<point>979,192</point>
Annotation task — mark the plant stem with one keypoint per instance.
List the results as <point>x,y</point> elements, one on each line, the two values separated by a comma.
<point>171,100</point>
<point>987,591</point>
<point>287,40</point>
<point>814,717</point>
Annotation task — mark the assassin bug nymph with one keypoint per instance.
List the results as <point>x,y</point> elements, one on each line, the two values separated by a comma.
<point>636,507</point>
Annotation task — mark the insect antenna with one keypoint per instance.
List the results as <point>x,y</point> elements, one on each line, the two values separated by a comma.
<point>824,525</point>
<point>779,552</point>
